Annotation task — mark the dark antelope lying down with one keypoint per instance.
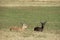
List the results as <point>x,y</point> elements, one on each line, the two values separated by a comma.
<point>40,28</point>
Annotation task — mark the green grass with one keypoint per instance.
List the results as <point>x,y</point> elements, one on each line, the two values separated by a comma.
<point>31,16</point>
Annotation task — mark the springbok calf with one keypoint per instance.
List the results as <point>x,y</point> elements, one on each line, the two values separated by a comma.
<point>40,28</point>
<point>24,26</point>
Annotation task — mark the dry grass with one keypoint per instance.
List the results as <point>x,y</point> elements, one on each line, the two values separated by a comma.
<point>28,35</point>
<point>10,3</point>
<point>13,16</point>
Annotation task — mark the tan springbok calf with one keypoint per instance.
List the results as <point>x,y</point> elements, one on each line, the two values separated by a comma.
<point>24,26</point>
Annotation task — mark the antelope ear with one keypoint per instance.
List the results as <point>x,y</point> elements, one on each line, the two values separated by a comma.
<point>43,22</point>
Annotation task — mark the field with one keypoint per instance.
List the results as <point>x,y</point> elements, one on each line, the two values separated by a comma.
<point>14,16</point>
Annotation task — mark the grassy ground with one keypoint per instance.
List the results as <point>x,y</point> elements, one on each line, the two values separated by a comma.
<point>32,16</point>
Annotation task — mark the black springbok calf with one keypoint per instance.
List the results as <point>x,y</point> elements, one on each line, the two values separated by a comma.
<point>40,28</point>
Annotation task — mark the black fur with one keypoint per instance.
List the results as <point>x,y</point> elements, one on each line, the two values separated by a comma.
<point>40,28</point>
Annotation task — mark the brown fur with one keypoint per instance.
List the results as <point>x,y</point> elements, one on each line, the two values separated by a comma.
<point>19,28</point>
<point>15,28</point>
